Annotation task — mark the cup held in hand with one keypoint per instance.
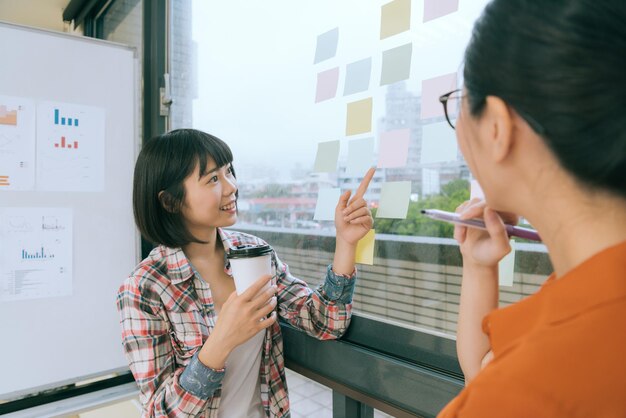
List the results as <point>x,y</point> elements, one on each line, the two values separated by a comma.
<point>248,263</point>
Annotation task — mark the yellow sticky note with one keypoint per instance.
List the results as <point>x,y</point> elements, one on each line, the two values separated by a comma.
<point>359,117</point>
<point>365,249</point>
<point>395,17</point>
<point>506,267</point>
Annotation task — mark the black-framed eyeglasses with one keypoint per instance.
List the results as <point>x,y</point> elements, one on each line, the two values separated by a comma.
<point>454,96</point>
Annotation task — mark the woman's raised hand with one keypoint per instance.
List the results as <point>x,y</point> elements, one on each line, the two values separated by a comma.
<point>483,248</point>
<point>353,219</point>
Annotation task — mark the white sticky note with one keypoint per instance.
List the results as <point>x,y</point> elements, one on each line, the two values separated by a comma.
<point>360,157</point>
<point>327,156</point>
<point>394,200</point>
<point>327,200</point>
<point>326,45</point>
<point>357,76</point>
<point>506,267</point>
<point>476,191</point>
<point>438,143</point>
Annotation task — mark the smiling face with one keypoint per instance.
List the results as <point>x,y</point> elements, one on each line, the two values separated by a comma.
<point>210,199</point>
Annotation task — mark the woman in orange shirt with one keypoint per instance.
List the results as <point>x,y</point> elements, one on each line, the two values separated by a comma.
<point>542,127</point>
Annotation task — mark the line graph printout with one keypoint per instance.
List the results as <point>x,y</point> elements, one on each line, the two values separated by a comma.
<point>35,253</point>
<point>70,147</point>
<point>17,143</point>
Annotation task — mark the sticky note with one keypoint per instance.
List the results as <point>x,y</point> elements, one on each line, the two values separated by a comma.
<point>395,17</point>
<point>327,156</point>
<point>396,64</point>
<point>431,183</point>
<point>326,45</point>
<point>438,143</point>
<point>506,267</point>
<point>327,200</point>
<point>432,88</point>
<point>393,148</point>
<point>360,157</point>
<point>394,200</point>
<point>365,249</point>
<point>357,76</point>
<point>437,8</point>
<point>327,84</point>
<point>476,191</point>
<point>359,117</point>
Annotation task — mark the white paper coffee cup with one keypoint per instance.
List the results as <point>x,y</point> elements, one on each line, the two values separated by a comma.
<point>248,263</point>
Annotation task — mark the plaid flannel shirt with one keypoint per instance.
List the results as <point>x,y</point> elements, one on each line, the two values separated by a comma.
<point>167,313</point>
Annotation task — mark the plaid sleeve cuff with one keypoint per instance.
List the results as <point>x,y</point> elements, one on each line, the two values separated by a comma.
<point>200,380</point>
<point>338,287</point>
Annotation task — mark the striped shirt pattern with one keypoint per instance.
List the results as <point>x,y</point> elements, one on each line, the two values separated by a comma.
<point>166,313</point>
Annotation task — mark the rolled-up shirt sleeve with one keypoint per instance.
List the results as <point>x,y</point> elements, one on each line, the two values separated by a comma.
<point>323,312</point>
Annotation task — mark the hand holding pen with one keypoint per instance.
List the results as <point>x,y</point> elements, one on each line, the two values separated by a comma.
<point>484,247</point>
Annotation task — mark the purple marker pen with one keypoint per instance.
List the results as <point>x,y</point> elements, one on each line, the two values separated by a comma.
<point>516,231</point>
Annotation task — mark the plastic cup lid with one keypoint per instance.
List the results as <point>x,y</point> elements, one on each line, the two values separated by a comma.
<point>248,251</point>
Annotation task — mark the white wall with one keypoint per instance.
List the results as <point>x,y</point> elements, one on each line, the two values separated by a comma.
<point>44,14</point>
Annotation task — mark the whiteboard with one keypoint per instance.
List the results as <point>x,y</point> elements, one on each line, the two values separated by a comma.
<point>62,326</point>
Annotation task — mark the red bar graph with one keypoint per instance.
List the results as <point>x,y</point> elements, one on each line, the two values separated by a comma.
<point>63,144</point>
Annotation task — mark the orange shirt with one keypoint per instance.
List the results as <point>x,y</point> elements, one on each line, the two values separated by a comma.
<point>558,353</point>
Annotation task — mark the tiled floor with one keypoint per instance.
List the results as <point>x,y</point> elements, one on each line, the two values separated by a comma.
<point>309,399</point>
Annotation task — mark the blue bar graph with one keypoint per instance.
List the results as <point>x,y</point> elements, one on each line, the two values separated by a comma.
<point>64,121</point>
<point>37,255</point>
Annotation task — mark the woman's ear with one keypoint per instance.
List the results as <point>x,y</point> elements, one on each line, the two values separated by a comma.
<point>167,201</point>
<point>499,126</point>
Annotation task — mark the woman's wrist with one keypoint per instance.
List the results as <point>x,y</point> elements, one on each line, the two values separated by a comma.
<point>345,253</point>
<point>214,353</point>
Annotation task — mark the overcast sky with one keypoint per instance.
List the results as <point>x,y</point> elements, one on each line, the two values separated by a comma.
<point>257,78</point>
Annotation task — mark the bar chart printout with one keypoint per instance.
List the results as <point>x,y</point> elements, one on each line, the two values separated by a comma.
<point>35,253</point>
<point>70,147</point>
<point>17,143</point>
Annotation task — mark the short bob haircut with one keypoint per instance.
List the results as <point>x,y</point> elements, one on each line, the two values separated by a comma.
<point>162,166</point>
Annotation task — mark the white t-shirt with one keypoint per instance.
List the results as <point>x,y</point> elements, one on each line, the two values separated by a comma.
<point>241,386</point>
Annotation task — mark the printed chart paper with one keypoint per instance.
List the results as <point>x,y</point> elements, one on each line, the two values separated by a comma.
<point>70,147</point>
<point>36,252</point>
<point>17,143</point>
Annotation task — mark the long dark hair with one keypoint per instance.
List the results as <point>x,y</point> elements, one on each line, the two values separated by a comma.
<point>561,64</point>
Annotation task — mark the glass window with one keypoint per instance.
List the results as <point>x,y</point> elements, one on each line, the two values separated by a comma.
<point>247,72</point>
<point>122,22</point>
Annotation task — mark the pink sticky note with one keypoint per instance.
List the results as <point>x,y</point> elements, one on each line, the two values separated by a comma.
<point>437,8</point>
<point>393,148</point>
<point>431,90</point>
<point>327,84</point>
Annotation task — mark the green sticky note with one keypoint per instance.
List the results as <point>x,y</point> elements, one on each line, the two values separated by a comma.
<point>394,200</point>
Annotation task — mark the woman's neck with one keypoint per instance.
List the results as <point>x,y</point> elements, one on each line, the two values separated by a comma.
<point>198,252</point>
<point>577,224</point>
